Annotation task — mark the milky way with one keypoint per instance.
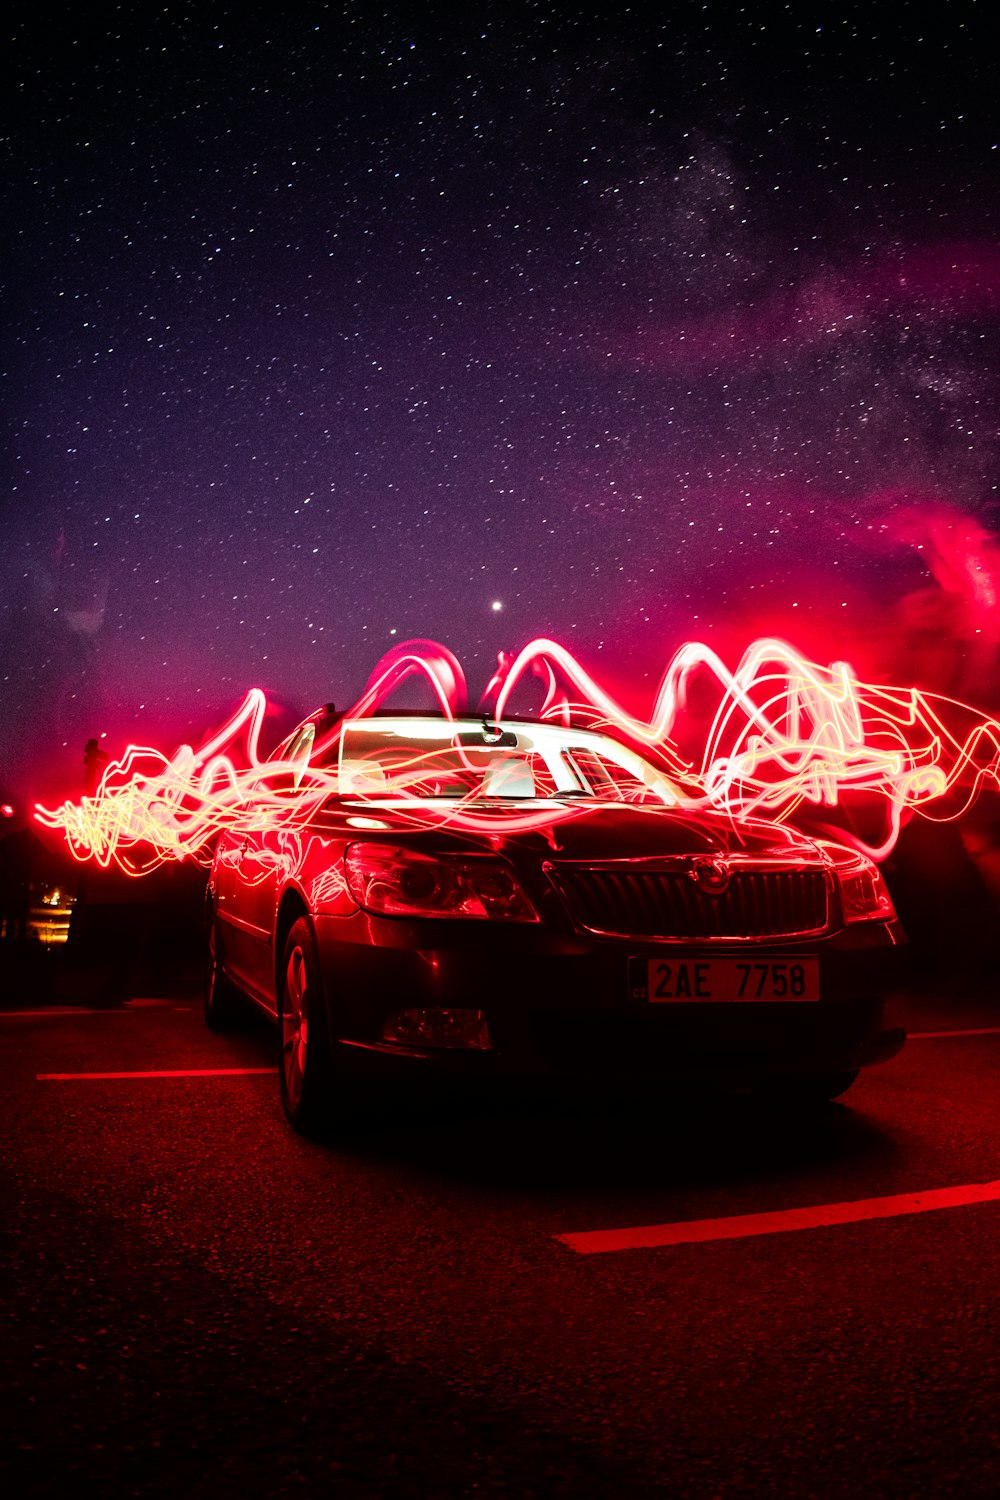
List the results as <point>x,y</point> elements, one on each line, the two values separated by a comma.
<point>328,329</point>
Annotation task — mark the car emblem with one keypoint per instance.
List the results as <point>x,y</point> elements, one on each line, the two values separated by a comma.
<point>711,874</point>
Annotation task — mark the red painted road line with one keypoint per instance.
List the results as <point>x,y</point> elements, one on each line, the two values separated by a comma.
<point>923,1036</point>
<point>159,1073</point>
<point>66,1010</point>
<point>743,1226</point>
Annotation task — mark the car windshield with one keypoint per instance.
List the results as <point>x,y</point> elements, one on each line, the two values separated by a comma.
<point>428,759</point>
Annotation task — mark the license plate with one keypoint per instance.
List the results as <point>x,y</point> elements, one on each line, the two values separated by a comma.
<point>730,979</point>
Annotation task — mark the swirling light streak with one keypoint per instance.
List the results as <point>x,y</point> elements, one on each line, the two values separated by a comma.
<point>817,733</point>
<point>786,732</point>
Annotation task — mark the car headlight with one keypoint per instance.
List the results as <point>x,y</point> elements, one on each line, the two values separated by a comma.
<point>396,882</point>
<point>864,895</point>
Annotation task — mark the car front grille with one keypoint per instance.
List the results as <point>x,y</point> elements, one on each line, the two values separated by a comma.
<point>671,903</point>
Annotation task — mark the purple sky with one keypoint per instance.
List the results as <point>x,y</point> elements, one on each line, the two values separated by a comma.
<point>330,328</point>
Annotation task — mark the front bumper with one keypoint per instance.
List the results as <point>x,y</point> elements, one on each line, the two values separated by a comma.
<point>564,1007</point>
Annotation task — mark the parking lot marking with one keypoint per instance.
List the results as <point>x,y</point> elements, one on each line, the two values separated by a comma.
<point>66,1010</point>
<point>923,1036</point>
<point>157,1073</point>
<point>744,1226</point>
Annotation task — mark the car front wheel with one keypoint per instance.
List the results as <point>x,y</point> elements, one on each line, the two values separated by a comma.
<point>310,1093</point>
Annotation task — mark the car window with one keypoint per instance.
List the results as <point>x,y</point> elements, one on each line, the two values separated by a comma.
<point>285,768</point>
<point>604,777</point>
<point>299,751</point>
<point>391,765</point>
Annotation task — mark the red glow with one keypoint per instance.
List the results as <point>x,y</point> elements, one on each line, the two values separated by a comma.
<point>784,732</point>
<point>930,284</point>
<point>963,557</point>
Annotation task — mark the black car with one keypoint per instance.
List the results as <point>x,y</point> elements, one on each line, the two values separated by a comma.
<point>427,897</point>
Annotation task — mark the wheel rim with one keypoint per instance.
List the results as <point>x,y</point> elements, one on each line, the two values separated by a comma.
<point>295,1027</point>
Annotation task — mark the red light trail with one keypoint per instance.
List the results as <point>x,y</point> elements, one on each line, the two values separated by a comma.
<point>785,733</point>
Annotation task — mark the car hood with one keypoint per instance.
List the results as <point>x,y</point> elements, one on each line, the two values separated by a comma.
<point>620,832</point>
<point>607,831</point>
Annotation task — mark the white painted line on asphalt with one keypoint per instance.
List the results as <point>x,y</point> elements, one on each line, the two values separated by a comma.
<point>924,1036</point>
<point>158,1073</point>
<point>744,1226</point>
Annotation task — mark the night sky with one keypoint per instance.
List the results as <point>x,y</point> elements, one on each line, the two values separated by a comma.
<point>329,326</point>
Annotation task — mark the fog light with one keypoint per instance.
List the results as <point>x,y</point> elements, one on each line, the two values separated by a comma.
<point>436,1026</point>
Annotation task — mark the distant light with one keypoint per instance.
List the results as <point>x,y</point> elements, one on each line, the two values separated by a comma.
<point>6,811</point>
<point>496,606</point>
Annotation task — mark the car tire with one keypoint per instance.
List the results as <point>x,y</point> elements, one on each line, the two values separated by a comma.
<point>820,1088</point>
<point>223,1004</point>
<point>312,1096</point>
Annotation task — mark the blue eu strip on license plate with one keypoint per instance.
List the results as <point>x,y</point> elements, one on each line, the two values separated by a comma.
<point>743,980</point>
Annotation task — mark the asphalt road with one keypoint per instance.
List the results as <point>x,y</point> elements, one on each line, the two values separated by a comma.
<point>198,1303</point>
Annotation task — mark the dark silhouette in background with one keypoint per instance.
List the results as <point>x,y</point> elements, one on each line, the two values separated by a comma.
<point>94,761</point>
<point>17,850</point>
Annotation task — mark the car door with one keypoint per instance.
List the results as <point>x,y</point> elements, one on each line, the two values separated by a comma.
<point>263,860</point>
<point>257,878</point>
